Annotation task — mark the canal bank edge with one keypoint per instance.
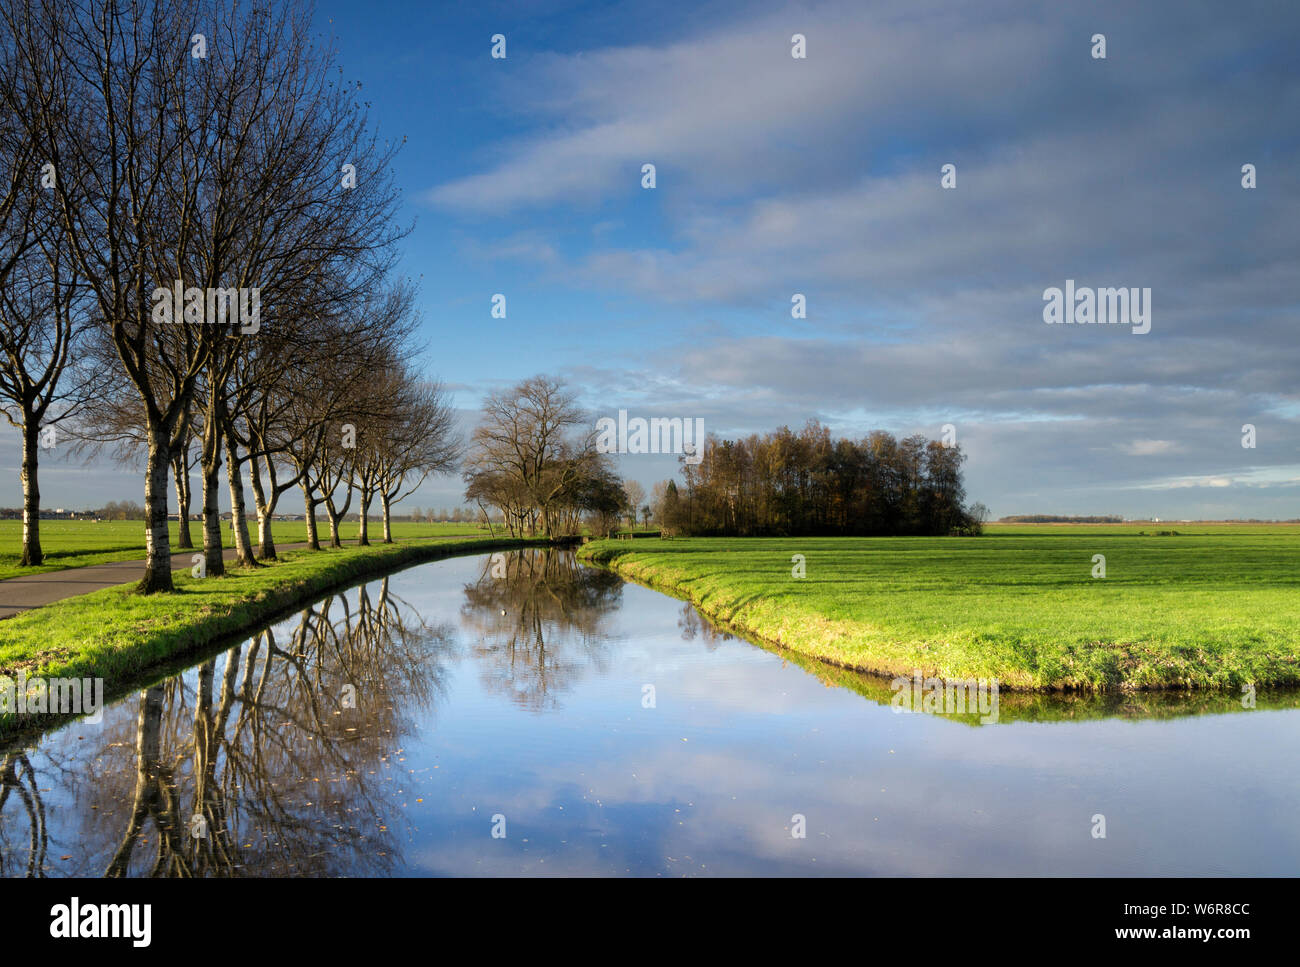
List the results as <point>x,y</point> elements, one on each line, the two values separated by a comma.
<point>121,636</point>
<point>814,636</point>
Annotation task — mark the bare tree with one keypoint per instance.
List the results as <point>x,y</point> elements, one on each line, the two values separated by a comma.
<point>43,317</point>
<point>419,441</point>
<point>526,441</point>
<point>333,469</point>
<point>44,379</point>
<point>635,494</point>
<point>130,126</point>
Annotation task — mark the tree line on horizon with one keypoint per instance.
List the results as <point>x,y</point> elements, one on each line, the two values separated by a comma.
<point>809,483</point>
<point>1060,519</point>
<point>534,459</point>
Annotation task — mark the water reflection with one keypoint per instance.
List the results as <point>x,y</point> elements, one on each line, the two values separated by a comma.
<point>540,620</point>
<point>269,759</point>
<point>18,781</point>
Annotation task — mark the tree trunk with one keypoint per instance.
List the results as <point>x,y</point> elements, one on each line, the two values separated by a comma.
<point>158,550</point>
<point>336,515</point>
<point>388,514</point>
<point>214,564</point>
<point>363,528</point>
<point>32,554</point>
<point>309,505</point>
<point>265,542</point>
<point>487,518</point>
<point>333,515</point>
<point>238,515</point>
<point>182,478</point>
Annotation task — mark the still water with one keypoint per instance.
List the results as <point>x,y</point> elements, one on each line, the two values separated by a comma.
<point>522,714</point>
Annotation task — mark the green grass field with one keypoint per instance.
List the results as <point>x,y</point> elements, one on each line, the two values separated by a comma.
<point>1191,528</point>
<point>1218,608</point>
<point>78,543</point>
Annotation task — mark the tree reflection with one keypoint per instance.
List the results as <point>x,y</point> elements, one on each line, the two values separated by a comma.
<point>539,618</point>
<point>18,779</point>
<point>281,756</point>
<point>276,758</point>
<point>694,625</point>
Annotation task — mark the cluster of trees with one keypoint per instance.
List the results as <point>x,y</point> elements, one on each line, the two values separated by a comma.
<point>120,510</point>
<point>444,516</point>
<point>1057,519</point>
<point>809,483</point>
<point>211,150</point>
<point>533,457</point>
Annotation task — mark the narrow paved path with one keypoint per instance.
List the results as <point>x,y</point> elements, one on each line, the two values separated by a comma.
<point>34,590</point>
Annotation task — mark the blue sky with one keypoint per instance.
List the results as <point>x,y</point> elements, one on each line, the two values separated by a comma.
<point>822,176</point>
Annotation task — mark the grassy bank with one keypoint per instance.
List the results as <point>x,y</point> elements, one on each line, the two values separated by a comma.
<point>1190,611</point>
<point>80,543</point>
<point>1055,706</point>
<point>118,635</point>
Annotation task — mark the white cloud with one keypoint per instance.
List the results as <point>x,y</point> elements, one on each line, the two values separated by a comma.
<point>1147,448</point>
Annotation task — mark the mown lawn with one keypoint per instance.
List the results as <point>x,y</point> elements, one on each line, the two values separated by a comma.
<point>78,543</point>
<point>1197,610</point>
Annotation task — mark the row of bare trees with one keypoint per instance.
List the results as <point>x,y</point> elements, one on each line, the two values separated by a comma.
<point>197,247</point>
